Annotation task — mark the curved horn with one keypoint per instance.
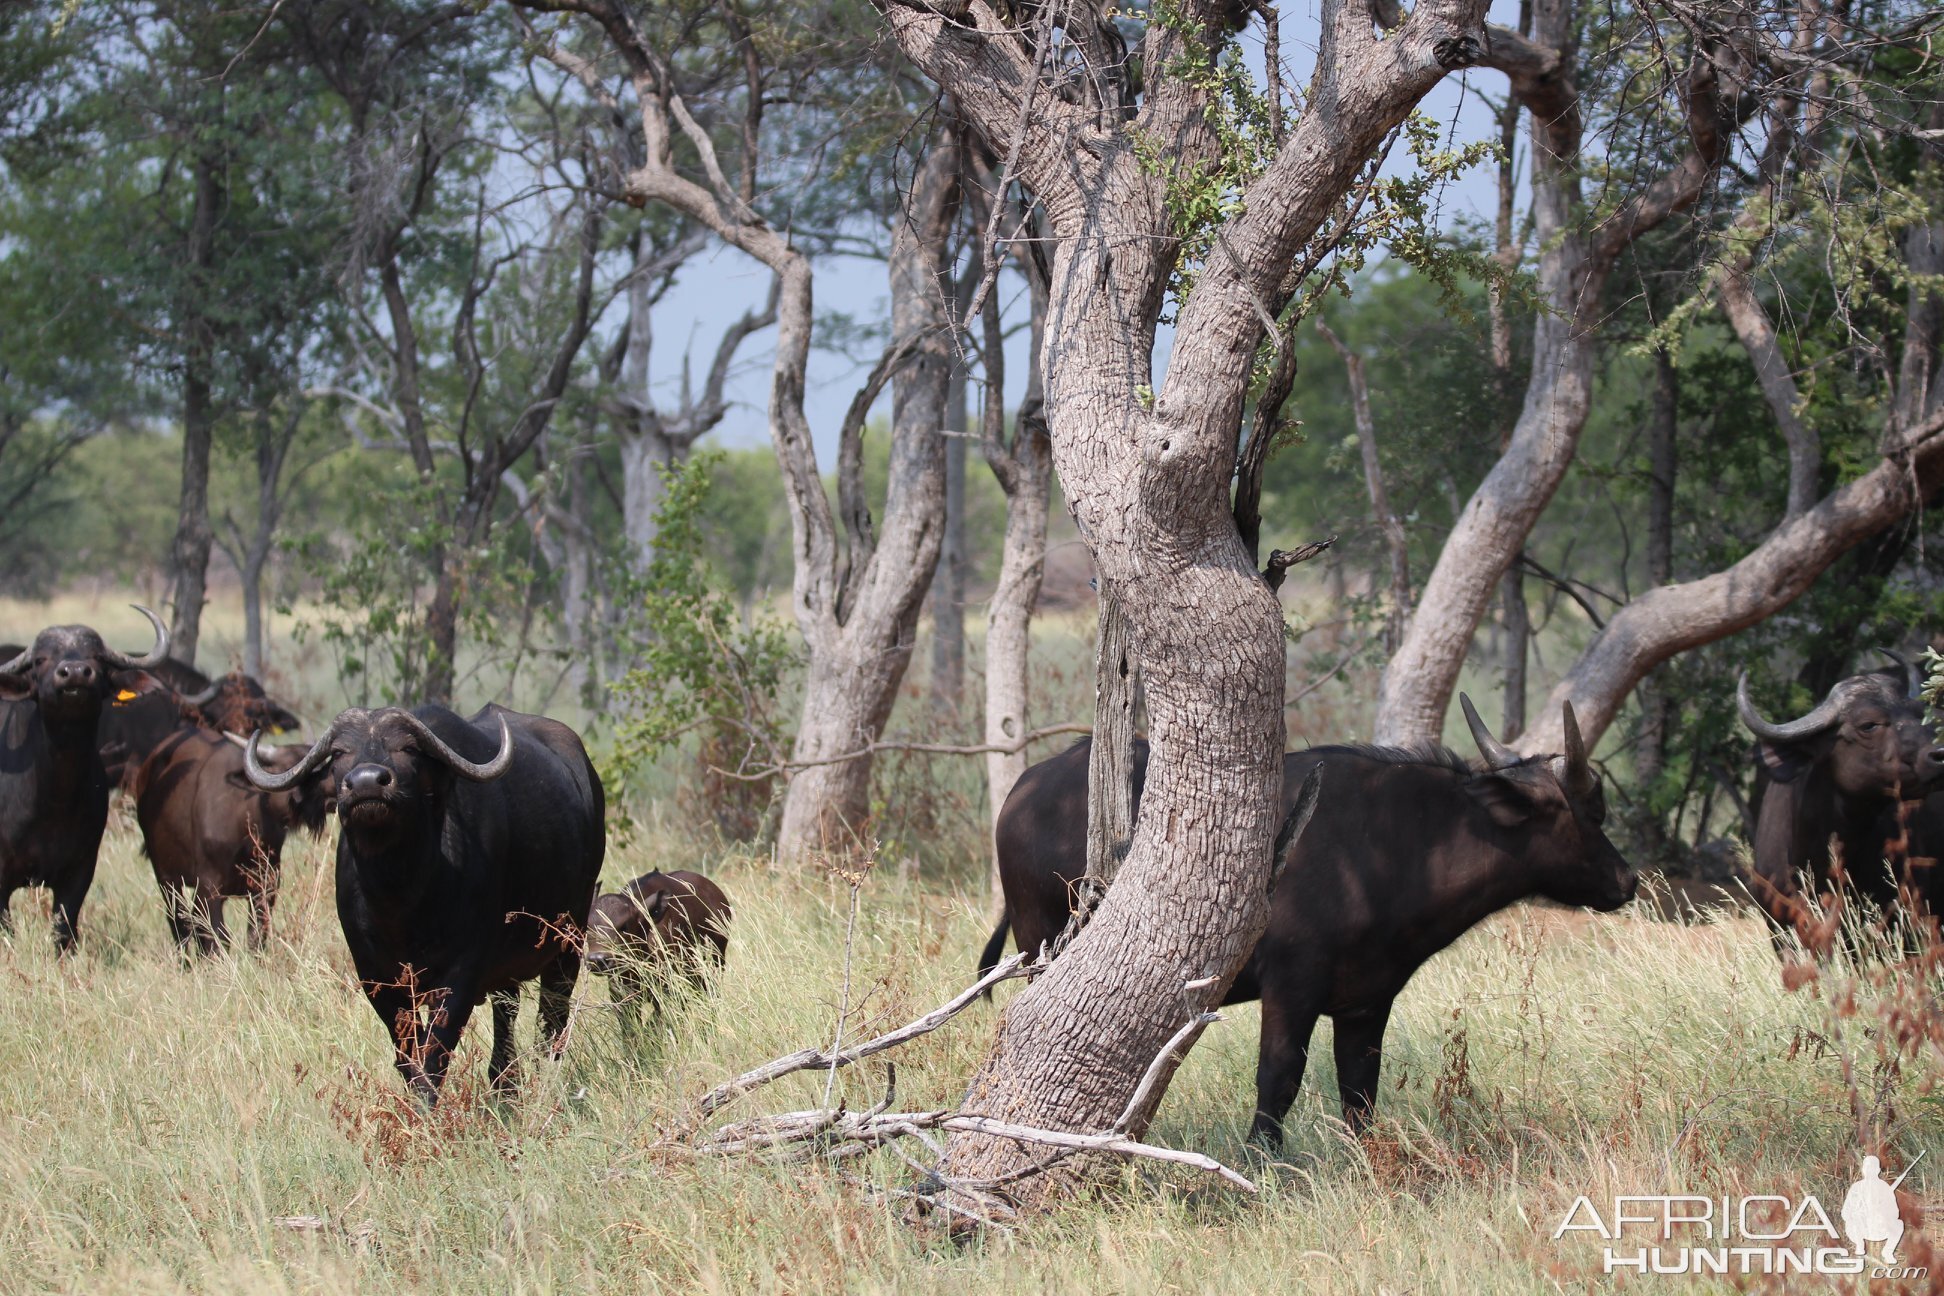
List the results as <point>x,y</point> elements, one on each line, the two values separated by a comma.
<point>1579,773</point>
<point>154,656</point>
<point>263,778</point>
<point>1913,677</point>
<point>1497,755</point>
<point>1808,726</point>
<point>19,663</point>
<point>203,698</point>
<point>491,770</point>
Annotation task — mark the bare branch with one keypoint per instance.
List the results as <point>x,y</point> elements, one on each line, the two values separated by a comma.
<point>819,1059</point>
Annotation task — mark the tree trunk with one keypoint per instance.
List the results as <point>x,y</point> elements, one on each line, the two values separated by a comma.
<point>1518,638</point>
<point>948,584</point>
<point>645,456</point>
<point>189,554</point>
<point>1656,709</point>
<point>1149,488</point>
<point>1757,336</point>
<point>1396,543</point>
<point>1025,474</point>
<point>860,626</point>
<point>1110,762</point>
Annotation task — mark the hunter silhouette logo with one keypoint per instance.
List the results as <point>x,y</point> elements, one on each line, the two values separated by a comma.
<point>1870,1210</point>
<point>1765,1233</point>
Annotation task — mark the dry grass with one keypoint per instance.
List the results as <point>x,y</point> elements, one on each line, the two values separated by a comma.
<point>161,1127</point>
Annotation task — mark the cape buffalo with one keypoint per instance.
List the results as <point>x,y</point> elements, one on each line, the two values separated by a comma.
<point>468,853</point>
<point>208,829</point>
<point>1839,772</point>
<point>1407,850</point>
<point>53,788</point>
<point>660,924</point>
<point>133,728</point>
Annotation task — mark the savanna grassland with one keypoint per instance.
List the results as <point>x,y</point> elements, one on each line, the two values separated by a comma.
<point>237,1126</point>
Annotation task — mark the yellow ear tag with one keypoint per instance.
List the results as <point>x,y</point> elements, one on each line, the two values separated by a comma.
<point>126,695</point>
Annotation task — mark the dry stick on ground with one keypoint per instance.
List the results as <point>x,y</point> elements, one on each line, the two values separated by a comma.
<point>817,1059</point>
<point>834,1133</point>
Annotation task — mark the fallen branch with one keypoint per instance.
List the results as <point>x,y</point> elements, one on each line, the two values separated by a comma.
<point>819,1059</point>
<point>838,1130</point>
<point>835,1134</point>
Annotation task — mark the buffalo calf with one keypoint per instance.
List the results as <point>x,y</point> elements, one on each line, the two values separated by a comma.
<point>1406,851</point>
<point>659,925</point>
<point>468,852</point>
<point>210,832</point>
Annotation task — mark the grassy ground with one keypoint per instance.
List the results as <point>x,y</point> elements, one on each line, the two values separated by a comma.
<point>160,1127</point>
<point>236,1127</point>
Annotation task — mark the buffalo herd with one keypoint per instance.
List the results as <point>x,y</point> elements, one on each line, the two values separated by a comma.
<point>470,848</point>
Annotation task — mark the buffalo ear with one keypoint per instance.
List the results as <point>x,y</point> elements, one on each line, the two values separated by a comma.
<point>131,684</point>
<point>238,779</point>
<point>1784,764</point>
<point>15,688</point>
<point>1509,804</point>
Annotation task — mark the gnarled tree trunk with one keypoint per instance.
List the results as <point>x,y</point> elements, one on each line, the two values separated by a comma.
<point>1148,485</point>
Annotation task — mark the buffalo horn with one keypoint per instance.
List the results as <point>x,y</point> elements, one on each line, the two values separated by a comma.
<point>1913,677</point>
<point>155,654</point>
<point>319,753</point>
<point>1579,775</point>
<point>1497,755</point>
<point>205,697</point>
<point>1293,824</point>
<point>1808,726</point>
<point>18,664</point>
<point>491,770</point>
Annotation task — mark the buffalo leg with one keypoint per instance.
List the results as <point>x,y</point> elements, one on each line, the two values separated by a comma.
<point>67,907</point>
<point>6,911</point>
<point>624,991</point>
<point>557,1001</point>
<point>263,898</point>
<point>174,908</point>
<point>1279,1067</point>
<point>1359,1058</point>
<point>506,1015</point>
<point>211,930</point>
<point>425,1027</point>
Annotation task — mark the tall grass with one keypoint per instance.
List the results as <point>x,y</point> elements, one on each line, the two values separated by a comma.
<point>236,1126</point>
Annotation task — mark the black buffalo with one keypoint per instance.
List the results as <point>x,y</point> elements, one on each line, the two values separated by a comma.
<point>53,788</point>
<point>210,833</point>
<point>1406,851</point>
<point>1839,772</point>
<point>468,854</point>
